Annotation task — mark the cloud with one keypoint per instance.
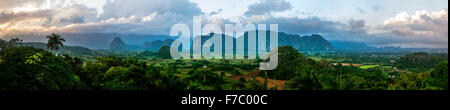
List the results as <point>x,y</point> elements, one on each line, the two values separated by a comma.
<point>419,29</point>
<point>152,24</point>
<point>330,30</point>
<point>142,16</point>
<point>423,28</point>
<point>75,14</point>
<point>421,21</point>
<point>356,26</point>
<point>8,4</point>
<point>216,12</point>
<point>301,25</point>
<point>267,7</point>
<point>12,17</point>
<point>119,16</point>
<point>139,8</point>
<point>47,18</point>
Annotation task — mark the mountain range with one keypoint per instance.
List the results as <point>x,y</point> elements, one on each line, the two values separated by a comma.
<point>118,42</point>
<point>314,42</point>
<point>352,46</point>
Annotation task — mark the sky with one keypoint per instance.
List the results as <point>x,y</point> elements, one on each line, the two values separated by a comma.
<point>380,23</point>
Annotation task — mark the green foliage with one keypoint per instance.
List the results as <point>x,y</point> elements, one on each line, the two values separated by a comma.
<point>224,65</point>
<point>289,63</point>
<point>422,61</point>
<point>26,68</point>
<point>200,63</point>
<point>235,72</point>
<point>305,82</point>
<point>306,74</point>
<point>254,84</point>
<point>116,73</point>
<point>1,60</point>
<point>438,77</point>
<point>206,77</point>
<point>408,81</point>
<point>34,59</point>
<point>117,78</point>
<point>242,79</point>
<point>147,54</point>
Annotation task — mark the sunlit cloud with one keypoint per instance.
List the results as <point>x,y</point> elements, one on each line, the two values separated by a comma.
<point>421,28</point>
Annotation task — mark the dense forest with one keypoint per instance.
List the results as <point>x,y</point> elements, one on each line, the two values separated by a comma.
<point>29,68</point>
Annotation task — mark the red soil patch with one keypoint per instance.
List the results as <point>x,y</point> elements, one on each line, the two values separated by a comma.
<point>270,82</point>
<point>348,64</point>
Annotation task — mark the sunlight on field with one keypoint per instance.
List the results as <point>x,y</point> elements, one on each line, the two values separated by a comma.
<point>368,66</point>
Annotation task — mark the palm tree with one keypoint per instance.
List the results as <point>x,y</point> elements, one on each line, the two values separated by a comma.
<point>15,41</point>
<point>54,41</point>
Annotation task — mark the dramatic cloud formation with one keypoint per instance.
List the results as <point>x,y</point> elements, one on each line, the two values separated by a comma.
<point>301,25</point>
<point>120,16</point>
<point>267,7</point>
<point>12,17</point>
<point>423,28</point>
<point>40,17</point>
<point>75,14</point>
<point>149,17</point>
<point>44,20</point>
<point>7,4</point>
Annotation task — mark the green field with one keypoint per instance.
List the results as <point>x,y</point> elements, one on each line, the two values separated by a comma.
<point>368,66</point>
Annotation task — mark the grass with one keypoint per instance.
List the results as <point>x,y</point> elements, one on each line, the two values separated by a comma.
<point>368,66</point>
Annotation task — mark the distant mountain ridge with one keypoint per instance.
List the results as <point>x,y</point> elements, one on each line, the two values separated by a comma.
<point>363,47</point>
<point>156,45</point>
<point>314,42</point>
<point>69,50</point>
<point>352,46</point>
<point>117,44</point>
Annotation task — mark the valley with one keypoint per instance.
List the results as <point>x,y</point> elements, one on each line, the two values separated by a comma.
<point>305,63</point>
